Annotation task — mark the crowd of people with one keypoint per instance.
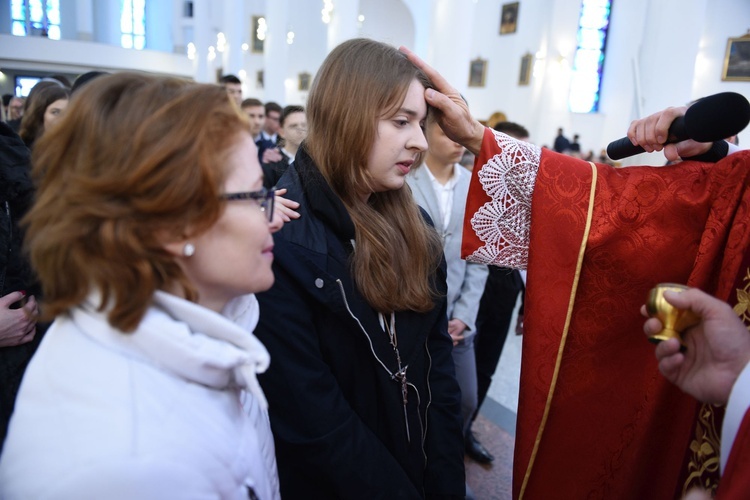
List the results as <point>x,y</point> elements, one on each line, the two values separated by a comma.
<point>308,302</point>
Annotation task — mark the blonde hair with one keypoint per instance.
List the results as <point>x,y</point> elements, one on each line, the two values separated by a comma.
<point>396,252</point>
<point>129,165</point>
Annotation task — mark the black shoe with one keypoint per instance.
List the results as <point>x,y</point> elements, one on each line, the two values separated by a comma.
<point>476,451</point>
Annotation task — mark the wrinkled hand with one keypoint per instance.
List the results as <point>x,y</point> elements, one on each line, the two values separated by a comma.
<point>651,133</point>
<point>718,348</point>
<point>452,111</point>
<point>456,329</point>
<point>271,155</point>
<point>17,326</point>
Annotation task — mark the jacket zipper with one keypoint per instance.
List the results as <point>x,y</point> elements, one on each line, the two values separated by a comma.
<point>390,374</point>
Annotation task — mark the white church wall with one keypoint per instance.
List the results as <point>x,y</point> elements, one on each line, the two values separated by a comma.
<point>659,53</point>
<point>655,58</point>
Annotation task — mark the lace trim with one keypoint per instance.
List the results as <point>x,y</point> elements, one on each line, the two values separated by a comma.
<point>503,223</point>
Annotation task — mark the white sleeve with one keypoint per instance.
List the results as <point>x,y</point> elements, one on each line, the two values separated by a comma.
<point>732,148</point>
<point>739,402</point>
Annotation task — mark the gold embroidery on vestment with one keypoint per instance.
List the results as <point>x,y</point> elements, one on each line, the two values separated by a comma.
<point>703,466</point>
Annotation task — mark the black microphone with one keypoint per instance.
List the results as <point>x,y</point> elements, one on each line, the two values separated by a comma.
<point>709,119</point>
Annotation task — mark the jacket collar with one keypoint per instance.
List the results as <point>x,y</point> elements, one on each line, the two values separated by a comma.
<point>324,203</point>
<point>188,340</point>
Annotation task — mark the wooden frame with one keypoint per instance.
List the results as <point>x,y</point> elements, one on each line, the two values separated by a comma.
<point>304,81</point>
<point>737,60</point>
<point>508,18</point>
<point>527,64</point>
<point>477,72</point>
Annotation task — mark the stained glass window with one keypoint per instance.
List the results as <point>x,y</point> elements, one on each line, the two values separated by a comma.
<point>588,62</point>
<point>35,18</point>
<point>133,24</point>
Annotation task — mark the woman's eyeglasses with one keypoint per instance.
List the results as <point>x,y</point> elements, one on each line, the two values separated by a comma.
<point>264,197</point>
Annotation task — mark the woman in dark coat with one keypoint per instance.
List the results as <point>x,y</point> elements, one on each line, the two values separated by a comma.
<point>18,307</point>
<point>363,397</point>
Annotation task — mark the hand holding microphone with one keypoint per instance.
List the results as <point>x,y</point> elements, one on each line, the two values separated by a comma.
<point>685,132</point>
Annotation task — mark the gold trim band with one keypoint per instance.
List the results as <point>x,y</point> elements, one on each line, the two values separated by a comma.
<point>571,302</point>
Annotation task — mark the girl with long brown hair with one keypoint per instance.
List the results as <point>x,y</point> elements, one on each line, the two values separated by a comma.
<point>363,396</point>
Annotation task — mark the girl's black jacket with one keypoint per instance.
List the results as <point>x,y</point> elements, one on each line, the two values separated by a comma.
<point>340,425</point>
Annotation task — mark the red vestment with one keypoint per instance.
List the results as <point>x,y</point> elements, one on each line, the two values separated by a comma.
<point>596,419</point>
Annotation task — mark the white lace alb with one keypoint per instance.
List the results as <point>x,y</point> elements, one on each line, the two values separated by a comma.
<point>503,223</point>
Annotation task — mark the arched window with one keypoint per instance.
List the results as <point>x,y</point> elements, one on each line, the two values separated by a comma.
<point>35,18</point>
<point>589,59</point>
<point>133,24</point>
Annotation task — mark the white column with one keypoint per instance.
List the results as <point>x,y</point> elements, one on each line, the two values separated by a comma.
<point>276,51</point>
<point>235,25</point>
<point>202,38</point>
<point>421,12</point>
<point>343,25</point>
<point>84,20</point>
<point>107,23</point>
<point>450,40</point>
<point>158,26</point>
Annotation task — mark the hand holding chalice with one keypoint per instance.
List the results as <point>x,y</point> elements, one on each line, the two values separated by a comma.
<point>674,320</point>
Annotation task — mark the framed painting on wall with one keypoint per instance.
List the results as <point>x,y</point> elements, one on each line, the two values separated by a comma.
<point>737,59</point>
<point>508,18</point>
<point>527,62</point>
<point>257,34</point>
<point>304,81</point>
<point>477,72</point>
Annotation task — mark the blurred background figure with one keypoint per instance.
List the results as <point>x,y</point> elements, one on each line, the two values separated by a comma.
<point>272,124</point>
<point>15,111</point>
<point>44,107</point>
<point>233,86</point>
<point>562,143</point>
<point>291,134</point>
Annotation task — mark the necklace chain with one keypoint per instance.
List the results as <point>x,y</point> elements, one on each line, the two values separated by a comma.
<point>400,375</point>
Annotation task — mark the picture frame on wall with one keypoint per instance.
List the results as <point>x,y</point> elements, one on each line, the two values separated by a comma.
<point>527,63</point>
<point>477,72</point>
<point>304,81</point>
<point>508,18</point>
<point>737,60</point>
<point>257,45</point>
<point>259,79</point>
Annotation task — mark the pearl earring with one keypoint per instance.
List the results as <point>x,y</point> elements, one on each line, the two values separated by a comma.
<point>188,250</point>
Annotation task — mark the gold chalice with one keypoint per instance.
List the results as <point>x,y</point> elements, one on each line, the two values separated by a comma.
<point>675,320</point>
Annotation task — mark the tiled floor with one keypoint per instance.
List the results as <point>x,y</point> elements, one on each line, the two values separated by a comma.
<point>491,482</point>
<point>495,426</point>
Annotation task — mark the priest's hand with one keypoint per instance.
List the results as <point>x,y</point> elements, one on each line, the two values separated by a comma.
<point>451,109</point>
<point>651,133</point>
<point>718,347</point>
